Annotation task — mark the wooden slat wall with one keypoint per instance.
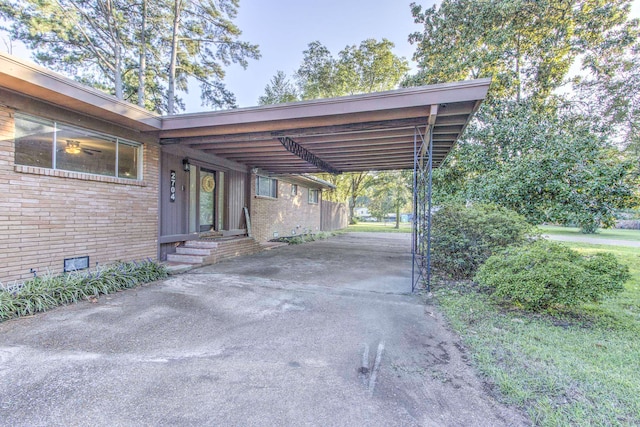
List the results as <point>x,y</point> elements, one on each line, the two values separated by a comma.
<point>173,218</point>
<point>236,198</point>
<point>334,216</point>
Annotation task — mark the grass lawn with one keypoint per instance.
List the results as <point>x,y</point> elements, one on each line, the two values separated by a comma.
<point>577,368</point>
<point>383,227</point>
<point>609,233</point>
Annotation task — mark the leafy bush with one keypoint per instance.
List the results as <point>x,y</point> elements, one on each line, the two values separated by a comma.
<point>464,237</point>
<point>545,274</point>
<point>42,293</point>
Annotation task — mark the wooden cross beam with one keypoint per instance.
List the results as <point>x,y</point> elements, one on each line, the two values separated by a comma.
<point>293,147</point>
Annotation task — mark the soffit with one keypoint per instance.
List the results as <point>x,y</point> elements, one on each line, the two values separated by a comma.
<point>356,133</point>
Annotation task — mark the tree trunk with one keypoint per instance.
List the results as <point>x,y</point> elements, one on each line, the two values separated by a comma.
<point>117,78</point>
<point>397,226</point>
<point>117,50</point>
<point>352,205</point>
<point>355,189</point>
<point>143,55</point>
<point>519,87</point>
<point>171,91</point>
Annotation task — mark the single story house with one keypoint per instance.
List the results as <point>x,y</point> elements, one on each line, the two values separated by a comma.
<point>87,179</point>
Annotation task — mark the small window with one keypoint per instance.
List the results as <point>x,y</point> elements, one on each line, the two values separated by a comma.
<point>267,187</point>
<point>294,190</point>
<point>314,196</point>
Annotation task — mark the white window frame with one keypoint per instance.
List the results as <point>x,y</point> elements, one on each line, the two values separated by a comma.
<point>269,187</point>
<point>314,200</point>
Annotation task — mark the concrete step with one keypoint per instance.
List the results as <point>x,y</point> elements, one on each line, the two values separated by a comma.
<point>202,244</point>
<point>234,241</point>
<point>203,252</point>
<point>177,268</point>
<point>185,259</point>
<point>188,250</point>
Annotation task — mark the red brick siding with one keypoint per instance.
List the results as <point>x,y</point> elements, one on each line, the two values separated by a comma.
<point>46,216</point>
<point>284,215</point>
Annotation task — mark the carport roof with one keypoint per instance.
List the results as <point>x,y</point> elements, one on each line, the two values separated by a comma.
<point>347,134</point>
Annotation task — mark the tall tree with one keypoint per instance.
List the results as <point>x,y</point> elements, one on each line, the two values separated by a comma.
<point>138,50</point>
<point>528,48</point>
<point>349,188</point>
<point>203,40</point>
<point>390,192</point>
<point>370,66</point>
<point>279,90</point>
<point>610,93</point>
<point>142,52</point>
<point>85,38</point>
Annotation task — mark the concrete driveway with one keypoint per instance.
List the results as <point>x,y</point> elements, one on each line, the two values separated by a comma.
<point>323,334</point>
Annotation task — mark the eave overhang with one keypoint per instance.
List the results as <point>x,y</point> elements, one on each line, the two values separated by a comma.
<point>28,79</point>
<point>354,133</point>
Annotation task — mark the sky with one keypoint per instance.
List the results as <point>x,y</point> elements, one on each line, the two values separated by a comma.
<point>284,28</point>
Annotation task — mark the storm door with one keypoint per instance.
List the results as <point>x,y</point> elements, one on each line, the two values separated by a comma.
<point>202,200</point>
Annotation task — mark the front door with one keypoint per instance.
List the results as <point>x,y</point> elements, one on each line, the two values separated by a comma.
<point>202,200</point>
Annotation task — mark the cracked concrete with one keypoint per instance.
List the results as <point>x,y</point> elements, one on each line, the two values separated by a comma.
<point>291,336</point>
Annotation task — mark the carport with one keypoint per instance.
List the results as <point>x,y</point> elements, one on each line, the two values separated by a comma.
<point>411,128</point>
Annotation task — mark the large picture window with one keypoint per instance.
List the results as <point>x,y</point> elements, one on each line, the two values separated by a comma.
<point>53,145</point>
<point>267,187</point>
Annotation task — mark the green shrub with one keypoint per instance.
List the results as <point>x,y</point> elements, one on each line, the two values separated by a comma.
<point>42,293</point>
<point>464,237</point>
<point>543,274</point>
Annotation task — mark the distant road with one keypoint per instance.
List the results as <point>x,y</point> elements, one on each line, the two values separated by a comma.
<point>593,240</point>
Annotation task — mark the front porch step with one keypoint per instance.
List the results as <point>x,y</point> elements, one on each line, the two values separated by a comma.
<point>204,252</point>
<point>203,244</point>
<point>185,259</point>
<point>188,250</point>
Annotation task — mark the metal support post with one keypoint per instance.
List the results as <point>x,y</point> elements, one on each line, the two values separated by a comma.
<point>414,221</point>
<point>429,187</point>
<point>422,206</point>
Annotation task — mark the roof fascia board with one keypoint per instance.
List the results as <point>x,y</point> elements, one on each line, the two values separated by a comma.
<point>471,90</point>
<point>39,108</point>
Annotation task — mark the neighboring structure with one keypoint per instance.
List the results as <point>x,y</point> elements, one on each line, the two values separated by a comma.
<point>88,179</point>
<point>286,206</point>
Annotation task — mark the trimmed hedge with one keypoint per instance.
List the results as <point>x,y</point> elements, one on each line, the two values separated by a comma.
<point>545,274</point>
<point>463,237</point>
<point>42,293</point>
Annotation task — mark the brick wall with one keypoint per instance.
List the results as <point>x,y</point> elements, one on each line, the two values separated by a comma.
<point>286,215</point>
<point>47,215</point>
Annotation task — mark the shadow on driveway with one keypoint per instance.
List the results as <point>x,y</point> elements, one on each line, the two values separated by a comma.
<point>324,333</point>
